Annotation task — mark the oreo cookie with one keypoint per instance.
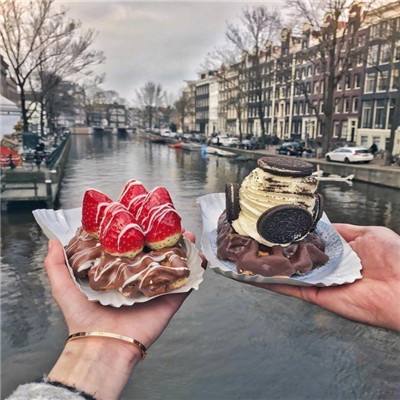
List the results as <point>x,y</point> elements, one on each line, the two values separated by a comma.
<point>285,166</point>
<point>284,224</point>
<point>232,201</point>
<point>318,209</point>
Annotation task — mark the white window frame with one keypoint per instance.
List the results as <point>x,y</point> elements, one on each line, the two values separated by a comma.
<point>355,100</point>
<point>359,81</point>
<point>379,79</point>
<point>367,80</point>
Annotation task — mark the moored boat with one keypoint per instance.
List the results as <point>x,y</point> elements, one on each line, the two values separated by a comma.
<point>191,146</point>
<point>177,145</point>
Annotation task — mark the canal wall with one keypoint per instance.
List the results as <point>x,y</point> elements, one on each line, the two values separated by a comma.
<point>369,173</point>
<point>29,186</point>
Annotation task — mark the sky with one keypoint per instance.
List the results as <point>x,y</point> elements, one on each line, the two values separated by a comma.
<point>165,42</point>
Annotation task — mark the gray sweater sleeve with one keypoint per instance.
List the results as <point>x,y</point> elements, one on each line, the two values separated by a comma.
<point>43,391</point>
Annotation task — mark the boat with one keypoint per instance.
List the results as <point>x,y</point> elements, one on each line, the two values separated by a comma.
<point>157,139</point>
<point>326,177</point>
<point>243,158</point>
<point>219,152</point>
<point>224,153</point>
<point>191,146</point>
<point>177,145</point>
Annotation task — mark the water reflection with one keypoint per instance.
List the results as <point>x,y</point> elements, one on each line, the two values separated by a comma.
<point>229,340</point>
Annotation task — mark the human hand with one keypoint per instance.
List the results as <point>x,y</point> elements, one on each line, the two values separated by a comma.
<point>96,365</point>
<point>374,299</point>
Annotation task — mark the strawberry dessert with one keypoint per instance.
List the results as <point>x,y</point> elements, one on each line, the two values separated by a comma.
<point>133,245</point>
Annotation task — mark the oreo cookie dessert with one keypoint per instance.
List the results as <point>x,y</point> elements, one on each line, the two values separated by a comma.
<point>269,221</point>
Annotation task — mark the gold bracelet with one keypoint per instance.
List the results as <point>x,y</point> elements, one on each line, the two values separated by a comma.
<point>80,335</point>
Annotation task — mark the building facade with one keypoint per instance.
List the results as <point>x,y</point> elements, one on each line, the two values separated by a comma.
<point>207,103</point>
<point>293,85</point>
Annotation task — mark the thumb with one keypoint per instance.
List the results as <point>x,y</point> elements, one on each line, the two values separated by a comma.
<point>57,272</point>
<point>350,232</point>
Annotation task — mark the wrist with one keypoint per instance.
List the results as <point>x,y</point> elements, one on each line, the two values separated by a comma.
<point>98,366</point>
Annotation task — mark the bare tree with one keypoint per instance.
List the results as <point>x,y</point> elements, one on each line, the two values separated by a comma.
<point>150,98</point>
<point>39,42</point>
<point>328,44</point>
<point>259,26</point>
<point>184,107</point>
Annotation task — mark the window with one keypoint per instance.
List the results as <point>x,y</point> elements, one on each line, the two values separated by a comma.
<point>336,129</point>
<point>391,111</point>
<point>347,82</point>
<point>344,129</point>
<point>373,55</point>
<point>316,87</point>
<point>300,108</point>
<point>374,32</point>
<point>364,141</point>
<point>339,86</point>
<point>384,29</point>
<point>383,81</point>
<point>394,85</point>
<point>385,53</point>
<point>397,51</point>
<point>321,107</point>
<point>370,83</point>
<point>357,81</point>
<point>314,107</point>
<point>366,121</point>
<point>347,105</point>
<point>376,140</point>
<point>309,71</point>
<point>338,105</point>
<point>355,104</point>
<point>380,114</point>
<point>361,41</point>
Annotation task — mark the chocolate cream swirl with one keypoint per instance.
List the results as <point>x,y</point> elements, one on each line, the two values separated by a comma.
<point>261,191</point>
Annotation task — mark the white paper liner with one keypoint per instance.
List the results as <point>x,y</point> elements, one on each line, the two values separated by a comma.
<point>346,269</point>
<point>62,225</point>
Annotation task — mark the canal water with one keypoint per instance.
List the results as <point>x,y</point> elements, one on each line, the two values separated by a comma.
<point>229,340</point>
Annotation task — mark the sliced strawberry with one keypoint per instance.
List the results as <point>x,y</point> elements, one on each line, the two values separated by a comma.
<point>93,205</point>
<point>158,196</point>
<point>120,235</point>
<point>133,195</point>
<point>162,227</point>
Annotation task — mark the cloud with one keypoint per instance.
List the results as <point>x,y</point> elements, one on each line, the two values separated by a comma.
<point>161,41</point>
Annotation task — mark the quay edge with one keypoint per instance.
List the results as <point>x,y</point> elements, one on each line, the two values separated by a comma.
<point>374,174</point>
<point>32,187</point>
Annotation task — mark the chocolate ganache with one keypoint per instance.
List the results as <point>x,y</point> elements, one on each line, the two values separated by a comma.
<point>252,257</point>
<point>149,273</point>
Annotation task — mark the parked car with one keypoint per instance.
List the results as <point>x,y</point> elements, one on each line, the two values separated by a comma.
<point>290,149</point>
<point>229,141</point>
<point>350,155</point>
<point>198,137</point>
<point>166,133</point>
<point>188,136</point>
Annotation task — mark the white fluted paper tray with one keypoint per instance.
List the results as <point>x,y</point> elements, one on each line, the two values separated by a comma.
<point>62,225</point>
<point>344,266</point>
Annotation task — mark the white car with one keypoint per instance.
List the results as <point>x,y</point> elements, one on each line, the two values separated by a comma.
<point>168,133</point>
<point>350,155</point>
<point>229,141</point>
